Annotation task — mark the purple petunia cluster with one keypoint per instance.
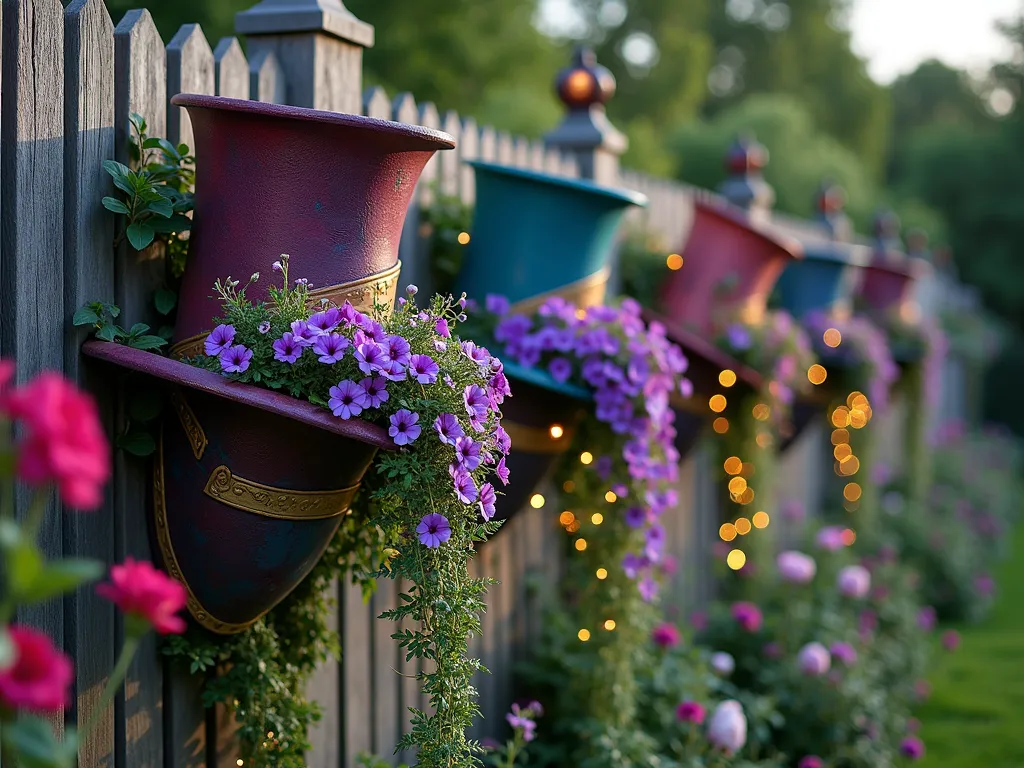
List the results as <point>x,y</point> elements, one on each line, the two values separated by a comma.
<point>633,370</point>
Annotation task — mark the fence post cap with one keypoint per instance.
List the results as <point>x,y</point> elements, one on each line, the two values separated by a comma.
<point>585,87</point>
<point>830,202</point>
<point>273,17</point>
<point>746,186</point>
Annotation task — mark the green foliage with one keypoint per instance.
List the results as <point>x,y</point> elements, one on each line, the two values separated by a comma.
<point>442,223</point>
<point>101,317</point>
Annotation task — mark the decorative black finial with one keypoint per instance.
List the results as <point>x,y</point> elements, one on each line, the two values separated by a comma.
<point>584,83</point>
<point>830,202</point>
<point>746,186</point>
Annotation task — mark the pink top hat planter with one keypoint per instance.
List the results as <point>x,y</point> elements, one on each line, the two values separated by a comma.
<point>250,485</point>
<point>888,281</point>
<point>733,256</point>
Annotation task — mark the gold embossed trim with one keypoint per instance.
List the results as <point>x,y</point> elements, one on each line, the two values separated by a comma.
<point>361,294</point>
<point>193,430</point>
<point>265,500</point>
<point>163,539</point>
<point>536,439</point>
<point>588,292</point>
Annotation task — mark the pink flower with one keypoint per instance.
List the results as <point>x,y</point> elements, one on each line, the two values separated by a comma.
<point>699,620</point>
<point>665,635</point>
<point>728,727</point>
<point>922,689</point>
<point>690,712</point>
<point>814,659</point>
<point>810,761</point>
<point>41,676</point>
<point>854,581</point>
<point>748,616</point>
<point>63,441</point>
<point>142,592</point>
<point>830,538</point>
<point>796,567</point>
<point>912,747</point>
<point>951,640</point>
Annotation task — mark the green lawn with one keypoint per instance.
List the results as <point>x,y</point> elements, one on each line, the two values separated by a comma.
<point>975,715</point>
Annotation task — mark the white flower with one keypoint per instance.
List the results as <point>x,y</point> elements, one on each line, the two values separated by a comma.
<point>723,663</point>
<point>728,727</point>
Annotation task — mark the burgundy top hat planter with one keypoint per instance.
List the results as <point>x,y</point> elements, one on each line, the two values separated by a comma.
<point>732,258</point>
<point>250,485</point>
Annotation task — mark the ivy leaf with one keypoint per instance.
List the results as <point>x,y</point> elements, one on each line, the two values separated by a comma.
<point>137,443</point>
<point>111,309</point>
<point>85,316</point>
<point>147,342</point>
<point>60,577</point>
<point>165,300</point>
<point>106,333</point>
<point>115,205</point>
<point>140,235</point>
<point>138,329</point>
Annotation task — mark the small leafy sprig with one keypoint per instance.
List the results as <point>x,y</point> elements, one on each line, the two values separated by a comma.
<point>101,316</point>
<point>523,721</point>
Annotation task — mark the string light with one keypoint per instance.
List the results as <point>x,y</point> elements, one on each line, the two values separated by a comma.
<point>566,518</point>
<point>747,496</point>
<point>849,465</point>
<point>597,518</point>
<point>737,485</point>
<point>841,417</point>
<point>583,635</point>
<point>573,526</point>
<point>568,486</point>
<point>602,573</point>
<point>832,338</point>
<point>586,457</point>
<point>536,501</point>
<point>736,559</point>
<point>717,403</point>
<point>581,544</point>
<point>747,470</point>
<point>761,519</point>
<point>840,436</point>
<point>858,418</point>
<point>720,425</point>
<point>733,465</point>
<point>727,532</point>
<point>609,624</point>
<point>674,261</point>
<point>463,238</point>
<point>610,497</point>
<point>852,491</point>
<point>743,526</point>
<point>841,451</point>
<point>727,378</point>
<point>817,374</point>
<point>849,537</point>
<point>761,412</point>
<point>763,439</point>
<point>556,431</point>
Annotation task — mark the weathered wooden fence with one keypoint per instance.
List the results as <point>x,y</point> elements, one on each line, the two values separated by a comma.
<point>70,79</point>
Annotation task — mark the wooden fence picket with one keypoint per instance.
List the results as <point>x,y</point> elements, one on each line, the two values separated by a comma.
<point>230,69</point>
<point>190,69</point>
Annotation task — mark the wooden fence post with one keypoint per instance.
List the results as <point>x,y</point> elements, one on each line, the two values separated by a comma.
<point>319,44</point>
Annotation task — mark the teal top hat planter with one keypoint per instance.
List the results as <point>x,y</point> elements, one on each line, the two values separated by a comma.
<point>536,236</point>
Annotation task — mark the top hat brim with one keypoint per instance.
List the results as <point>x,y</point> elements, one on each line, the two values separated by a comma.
<point>185,375</point>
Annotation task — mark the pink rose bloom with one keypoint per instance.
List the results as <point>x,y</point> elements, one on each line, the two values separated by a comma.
<point>728,727</point>
<point>951,640</point>
<point>854,581</point>
<point>146,594</point>
<point>796,567</point>
<point>40,679</point>
<point>690,712</point>
<point>814,659</point>
<point>62,442</point>
<point>665,635</point>
<point>748,616</point>
<point>830,538</point>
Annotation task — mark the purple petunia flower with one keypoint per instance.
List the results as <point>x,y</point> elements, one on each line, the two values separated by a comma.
<point>503,441</point>
<point>912,747</point>
<point>496,304</point>
<point>845,652</point>
<point>286,349</point>
<point>632,565</point>
<point>398,350</point>
<point>326,321</point>
<point>448,428</point>
<point>264,327</point>
<point>560,369</point>
<point>467,453</point>
<point>512,328</point>
<point>220,338</point>
<point>330,347</point>
<point>475,398</point>
<point>738,337</point>
<point>375,331</point>
<point>488,498</point>
<point>423,369</point>
<point>648,589</point>
<point>303,334</point>
<point>371,357</point>
<point>502,471</point>
<point>348,399</point>
<point>404,428</point>
<point>235,359</point>
<point>441,328</point>
<point>465,488</point>
<point>392,370</point>
<point>376,391</point>
<point>433,530</point>
<point>350,316</point>
<point>635,517</point>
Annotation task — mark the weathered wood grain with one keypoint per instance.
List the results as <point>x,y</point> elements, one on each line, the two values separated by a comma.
<point>190,69</point>
<point>426,187</point>
<point>506,150</point>
<point>267,80</point>
<point>521,152</point>
<point>387,700</point>
<point>356,728</point>
<point>449,161</point>
<point>230,69</point>
<point>325,688</point>
<point>488,146</point>
<point>469,149</point>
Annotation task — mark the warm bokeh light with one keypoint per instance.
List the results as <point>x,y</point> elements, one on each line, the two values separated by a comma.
<point>742,526</point>
<point>840,436</point>
<point>720,425</point>
<point>733,465</point>
<point>556,431</point>
<point>849,465</point>
<point>841,417</point>
<point>717,403</point>
<point>727,378</point>
<point>850,398</point>
<point>597,518</point>
<point>736,559</point>
<point>581,544</point>
<point>610,497</point>
<point>761,519</point>
<point>463,238</point>
<point>536,501</point>
<point>746,497</point>
<point>761,412</point>
<point>747,470</point>
<point>849,537</point>
<point>858,418</point>
<point>852,491</point>
<point>583,634</point>
<point>817,374</point>
<point>566,518</point>
<point>586,457</point>
<point>832,338</point>
<point>602,573</point>
<point>674,261</point>
<point>727,532</point>
<point>851,506</point>
<point>609,624</point>
<point>763,439</point>
<point>841,451</point>
<point>574,526</point>
<point>737,485</point>
<point>568,486</point>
